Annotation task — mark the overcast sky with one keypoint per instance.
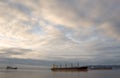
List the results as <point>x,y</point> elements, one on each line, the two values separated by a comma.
<point>60,30</point>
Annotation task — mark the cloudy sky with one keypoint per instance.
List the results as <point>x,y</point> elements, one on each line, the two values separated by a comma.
<point>60,30</point>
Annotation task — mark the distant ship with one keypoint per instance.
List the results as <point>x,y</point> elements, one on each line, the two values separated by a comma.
<point>10,67</point>
<point>101,67</point>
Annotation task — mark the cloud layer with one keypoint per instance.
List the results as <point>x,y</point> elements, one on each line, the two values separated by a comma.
<point>80,30</point>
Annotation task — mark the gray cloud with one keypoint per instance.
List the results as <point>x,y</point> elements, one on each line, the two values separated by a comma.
<point>8,52</point>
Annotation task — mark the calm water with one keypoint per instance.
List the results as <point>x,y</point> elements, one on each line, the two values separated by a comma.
<point>48,74</point>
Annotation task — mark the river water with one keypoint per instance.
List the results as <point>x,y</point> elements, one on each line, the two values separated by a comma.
<point>46,73</point>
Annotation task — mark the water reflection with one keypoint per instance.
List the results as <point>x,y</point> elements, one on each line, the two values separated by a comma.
<point>61,74</point>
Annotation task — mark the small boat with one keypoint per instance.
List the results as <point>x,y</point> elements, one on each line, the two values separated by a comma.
<point>10,67</point>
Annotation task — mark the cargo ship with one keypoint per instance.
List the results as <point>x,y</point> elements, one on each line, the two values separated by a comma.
<point>82,68</point>
<point>70,69</point>
<point>10,67</point>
